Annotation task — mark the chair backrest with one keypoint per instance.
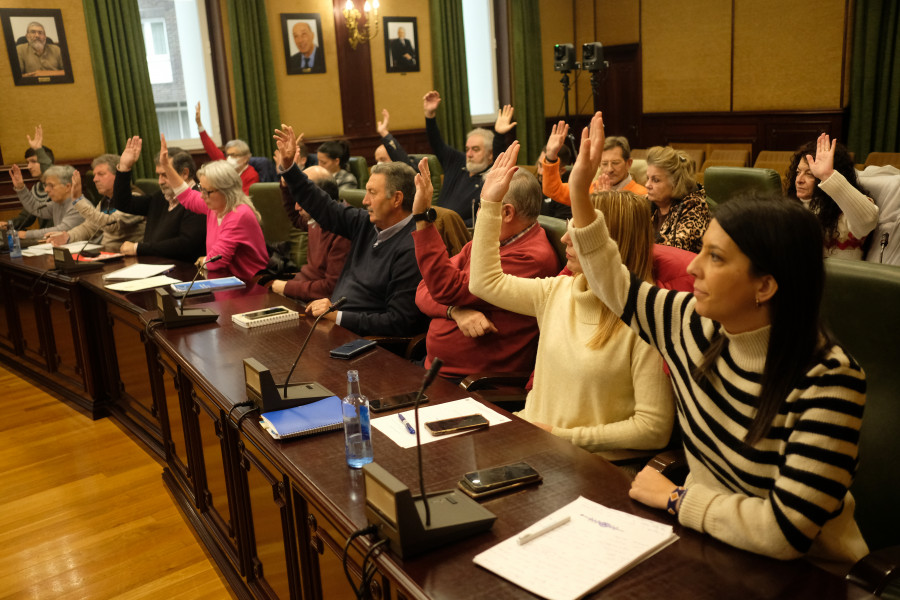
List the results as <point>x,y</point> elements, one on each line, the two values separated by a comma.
<point>276,225</point>
<point>638,170</point>
<point>555,229</point>
<point>774,156</point>
<point>860,307</point>
<point>883,158</point>
<point>721,154</point>
<point>265,167</point>
<point>695,151</point>
<point>639,153</point>
<point>437,172</point>
<point>359,168</point>
<point>148,186</point>
<point>723,183</point>
<point>352,197</point>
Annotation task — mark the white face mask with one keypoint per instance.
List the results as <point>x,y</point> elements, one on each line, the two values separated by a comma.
<point>233,161</point>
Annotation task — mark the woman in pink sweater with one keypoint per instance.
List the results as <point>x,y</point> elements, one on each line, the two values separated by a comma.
<point>232,223</point>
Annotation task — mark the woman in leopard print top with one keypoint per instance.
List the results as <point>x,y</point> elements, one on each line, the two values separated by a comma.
<point>679,209</point>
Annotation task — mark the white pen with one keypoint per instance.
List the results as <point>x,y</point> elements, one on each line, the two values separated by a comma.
<point>524,539</point>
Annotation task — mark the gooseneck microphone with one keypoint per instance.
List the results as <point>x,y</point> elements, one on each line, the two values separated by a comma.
<point>884,243</point>
<point>335,306</point>
<point>196,275</point>
<point>429,378</point>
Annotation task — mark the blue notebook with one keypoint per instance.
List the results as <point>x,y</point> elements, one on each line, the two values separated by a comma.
<point>321,415</point>
<point>205,286</point>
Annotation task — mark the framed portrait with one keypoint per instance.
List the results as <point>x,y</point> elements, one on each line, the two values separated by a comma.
<point>303,51</point>
<point>401,44</point>
<point>36,43</point>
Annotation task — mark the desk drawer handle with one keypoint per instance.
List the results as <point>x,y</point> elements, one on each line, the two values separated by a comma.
<point>313,524</point>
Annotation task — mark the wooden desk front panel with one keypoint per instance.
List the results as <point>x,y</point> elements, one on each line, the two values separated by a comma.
<point>67,344</point>
<point>30,313</point>
<point>8,323</point>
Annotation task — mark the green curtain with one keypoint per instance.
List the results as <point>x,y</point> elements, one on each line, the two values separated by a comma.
<point>875,79</point>
<point>122,78</point>
<point>448,45</point>
<point>256,98</point>
<point>527,77</point>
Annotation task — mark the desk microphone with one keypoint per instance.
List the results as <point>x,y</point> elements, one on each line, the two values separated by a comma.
<point>90,253</point>
<point>196,275</point>
<point>429,379</point>
<point>66,263</point>
<point>884,243</point>
<point>335,306</point>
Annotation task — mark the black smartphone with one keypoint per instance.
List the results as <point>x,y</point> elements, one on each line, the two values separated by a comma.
<point>497,478</point>
<point>399,401</point>
<point>351,349</point>
<point>456,424</point>
<point>265,312</point>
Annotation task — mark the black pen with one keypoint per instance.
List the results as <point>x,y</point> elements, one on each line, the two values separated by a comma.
<point>409,427</point>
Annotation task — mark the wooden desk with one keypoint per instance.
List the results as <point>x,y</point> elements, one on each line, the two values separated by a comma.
<point>274,515</point>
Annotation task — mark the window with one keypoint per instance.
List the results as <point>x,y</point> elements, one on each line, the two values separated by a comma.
<point>180,65</point>
<point>481,59</point>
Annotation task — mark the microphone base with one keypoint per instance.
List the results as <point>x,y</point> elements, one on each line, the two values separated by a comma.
<point>191,316</point>
<point>268,397</point>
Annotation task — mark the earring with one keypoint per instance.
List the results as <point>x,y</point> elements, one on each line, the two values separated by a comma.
<point>757,301</point>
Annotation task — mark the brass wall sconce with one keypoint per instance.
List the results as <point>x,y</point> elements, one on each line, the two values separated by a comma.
<point>352,15</point>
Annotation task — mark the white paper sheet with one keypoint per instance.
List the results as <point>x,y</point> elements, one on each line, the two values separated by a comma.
<point>142,284</point>
<point>391,426</point>
<point>137,271</point>
<point>597,545</point>
<point>45,249</point>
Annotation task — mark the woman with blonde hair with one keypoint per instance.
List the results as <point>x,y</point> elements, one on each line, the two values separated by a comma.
<point>679,212</point>
<point>232,222</point>
<point>616,394</point>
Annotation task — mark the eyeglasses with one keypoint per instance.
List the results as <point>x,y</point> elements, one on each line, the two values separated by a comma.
<point>614,164</point>
<point>207,193</point>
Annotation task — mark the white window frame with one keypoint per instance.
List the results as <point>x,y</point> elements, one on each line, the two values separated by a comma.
<point>478,66</point>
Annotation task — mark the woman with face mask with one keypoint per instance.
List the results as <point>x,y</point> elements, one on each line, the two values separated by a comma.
<point>237,151</point>
<point>822,177</point>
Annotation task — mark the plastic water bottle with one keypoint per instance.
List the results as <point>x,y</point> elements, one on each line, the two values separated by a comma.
<point>12,239</point>
<point>357,426</point>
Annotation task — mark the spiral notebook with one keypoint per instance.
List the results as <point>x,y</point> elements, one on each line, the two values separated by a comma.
<point>310,419</point>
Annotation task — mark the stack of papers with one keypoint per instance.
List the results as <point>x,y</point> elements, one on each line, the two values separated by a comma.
<point>137,271</point>
<point>393,427</point>
<point>47,249</point>
<point>142,284</point>
<point>576,550</point>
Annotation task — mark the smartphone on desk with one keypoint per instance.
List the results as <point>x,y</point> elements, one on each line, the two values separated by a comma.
<point>379,405</point>
<point>351,349</point>
<point>456,424</point>
<point>485,482</point>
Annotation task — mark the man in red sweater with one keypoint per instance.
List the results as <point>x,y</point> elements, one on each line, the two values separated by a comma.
<point>465,332</point>
<point>326,251</point>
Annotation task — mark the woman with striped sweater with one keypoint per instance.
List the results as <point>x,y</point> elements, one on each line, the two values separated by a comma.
<point>770,407</point>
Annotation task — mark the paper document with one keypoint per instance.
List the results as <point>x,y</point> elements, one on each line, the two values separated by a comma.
<point>142,284</point>
<point>46,249</point>
<point>137,271</point>
<point>394,428</point>
<point>576,550</point>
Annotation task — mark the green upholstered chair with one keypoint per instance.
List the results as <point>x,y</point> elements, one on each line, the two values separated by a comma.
<point>275,223</point>
<point>555,229</point>
<point>352,197</point>
<point>359,168</point>
<point>148,186</point>
<point>723,183</point>
<point>437,174</point>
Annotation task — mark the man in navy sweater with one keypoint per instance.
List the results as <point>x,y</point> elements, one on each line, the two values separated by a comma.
<point>380,274</point>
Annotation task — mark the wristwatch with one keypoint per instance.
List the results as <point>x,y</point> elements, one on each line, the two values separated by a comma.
<point>429,216</point>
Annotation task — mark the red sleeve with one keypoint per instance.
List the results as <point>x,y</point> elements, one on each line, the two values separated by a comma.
<point>249,176</point>
<point>336,250</point>
<point>445,280</point>
<point>210,147</point>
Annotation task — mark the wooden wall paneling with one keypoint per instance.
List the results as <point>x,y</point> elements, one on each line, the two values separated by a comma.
<point>355,70</point>
<point>619,94</point>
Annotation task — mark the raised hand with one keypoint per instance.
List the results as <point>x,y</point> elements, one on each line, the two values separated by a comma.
<point>430,103</point>
<point>15,174</point>
<point>175,179</point>
<point>197,118</point>
<point>603,183</point>
<point>504,120</point>
<point>556,140</point>
<point>822,166</point>
<point>38,139</point>
<point>424,189</point>
<point>382,126</point>
<point>76,184</point>
<point>586,166</point>
<point>287,142</point>
<point>496,182</point>
<point>131,154</point>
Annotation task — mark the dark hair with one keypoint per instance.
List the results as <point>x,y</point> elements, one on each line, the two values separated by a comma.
<point>338,149</point>
<point>181,161</point>
<point>329,186</point>
<point>32,152</point>
<point>398,177</point>
<point>825,208</point>
<point>782,239</point>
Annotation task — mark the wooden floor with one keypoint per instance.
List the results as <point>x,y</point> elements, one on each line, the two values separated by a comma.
<point>84,512</point>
